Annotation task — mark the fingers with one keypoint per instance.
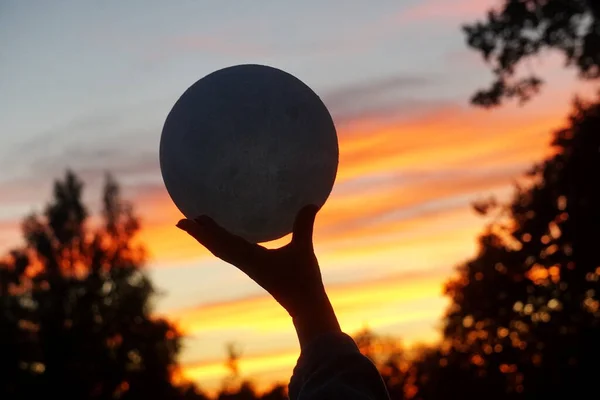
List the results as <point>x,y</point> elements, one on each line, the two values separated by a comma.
<point>224,245</point>
<point>303,227</point>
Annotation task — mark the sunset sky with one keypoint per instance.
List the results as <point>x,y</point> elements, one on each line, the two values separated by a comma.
<point>88,85</point>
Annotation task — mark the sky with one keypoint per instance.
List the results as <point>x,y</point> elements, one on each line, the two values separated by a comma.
<point>88,85</point>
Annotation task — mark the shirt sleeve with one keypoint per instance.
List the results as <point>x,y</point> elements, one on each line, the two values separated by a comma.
<point>333,368</point>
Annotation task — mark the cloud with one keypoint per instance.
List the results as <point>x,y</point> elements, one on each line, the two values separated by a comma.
<point>367,91</point>
<point>219,45</point>
<point>392,167</point>
<point>260,320</point>
<point>95,124</point>
<point>405,199</point>
<point>395,97</point>
<point>464,58</point>
<point>9,235</point>
<point>126,139</point>
<point>445,11</point>
<point>122,141</point>
<point>267,367</point>
<point>209,373</point>
<point>99,131</point>
<point>261,313</point>
<point>388,166</point>
<point>385,111</point>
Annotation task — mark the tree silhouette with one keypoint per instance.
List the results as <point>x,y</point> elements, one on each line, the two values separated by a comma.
<point>76,318</point>
<point>522,29</point>
<point>233,380</point>
<point>525,315</point>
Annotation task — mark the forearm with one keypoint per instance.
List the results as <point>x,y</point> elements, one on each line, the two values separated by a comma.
<point>316,318</point>
<point>330,365</point>
<point>332,368</point>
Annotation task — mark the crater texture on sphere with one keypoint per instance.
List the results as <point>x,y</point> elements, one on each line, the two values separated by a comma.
<point>249,146</point>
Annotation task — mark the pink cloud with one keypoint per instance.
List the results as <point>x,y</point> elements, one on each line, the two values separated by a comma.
<point>446,10</point>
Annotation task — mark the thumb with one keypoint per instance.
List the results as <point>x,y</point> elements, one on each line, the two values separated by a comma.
<point>303,227</point>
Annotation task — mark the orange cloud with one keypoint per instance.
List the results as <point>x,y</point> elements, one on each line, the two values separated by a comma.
<point>403,299</point>
<point>449,137</point>
<point>261,368</point>
<point>263,314</point>
<point>347,211</point>
<point>458,151</point>
<point>444,145</point>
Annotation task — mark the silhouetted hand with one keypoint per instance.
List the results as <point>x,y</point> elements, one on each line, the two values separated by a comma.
<point>290,274</point>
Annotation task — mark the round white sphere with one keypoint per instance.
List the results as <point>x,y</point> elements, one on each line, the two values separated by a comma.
<point>249,146</point>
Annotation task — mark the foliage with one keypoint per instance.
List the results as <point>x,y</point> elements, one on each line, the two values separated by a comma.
<point>525,315</point>
<point>75,313</point>
<point>523,29</point>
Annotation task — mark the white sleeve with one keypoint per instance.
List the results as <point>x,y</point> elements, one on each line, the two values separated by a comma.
<point>332,367</point>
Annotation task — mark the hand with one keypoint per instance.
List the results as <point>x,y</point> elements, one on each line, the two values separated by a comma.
<point>290,274</point>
